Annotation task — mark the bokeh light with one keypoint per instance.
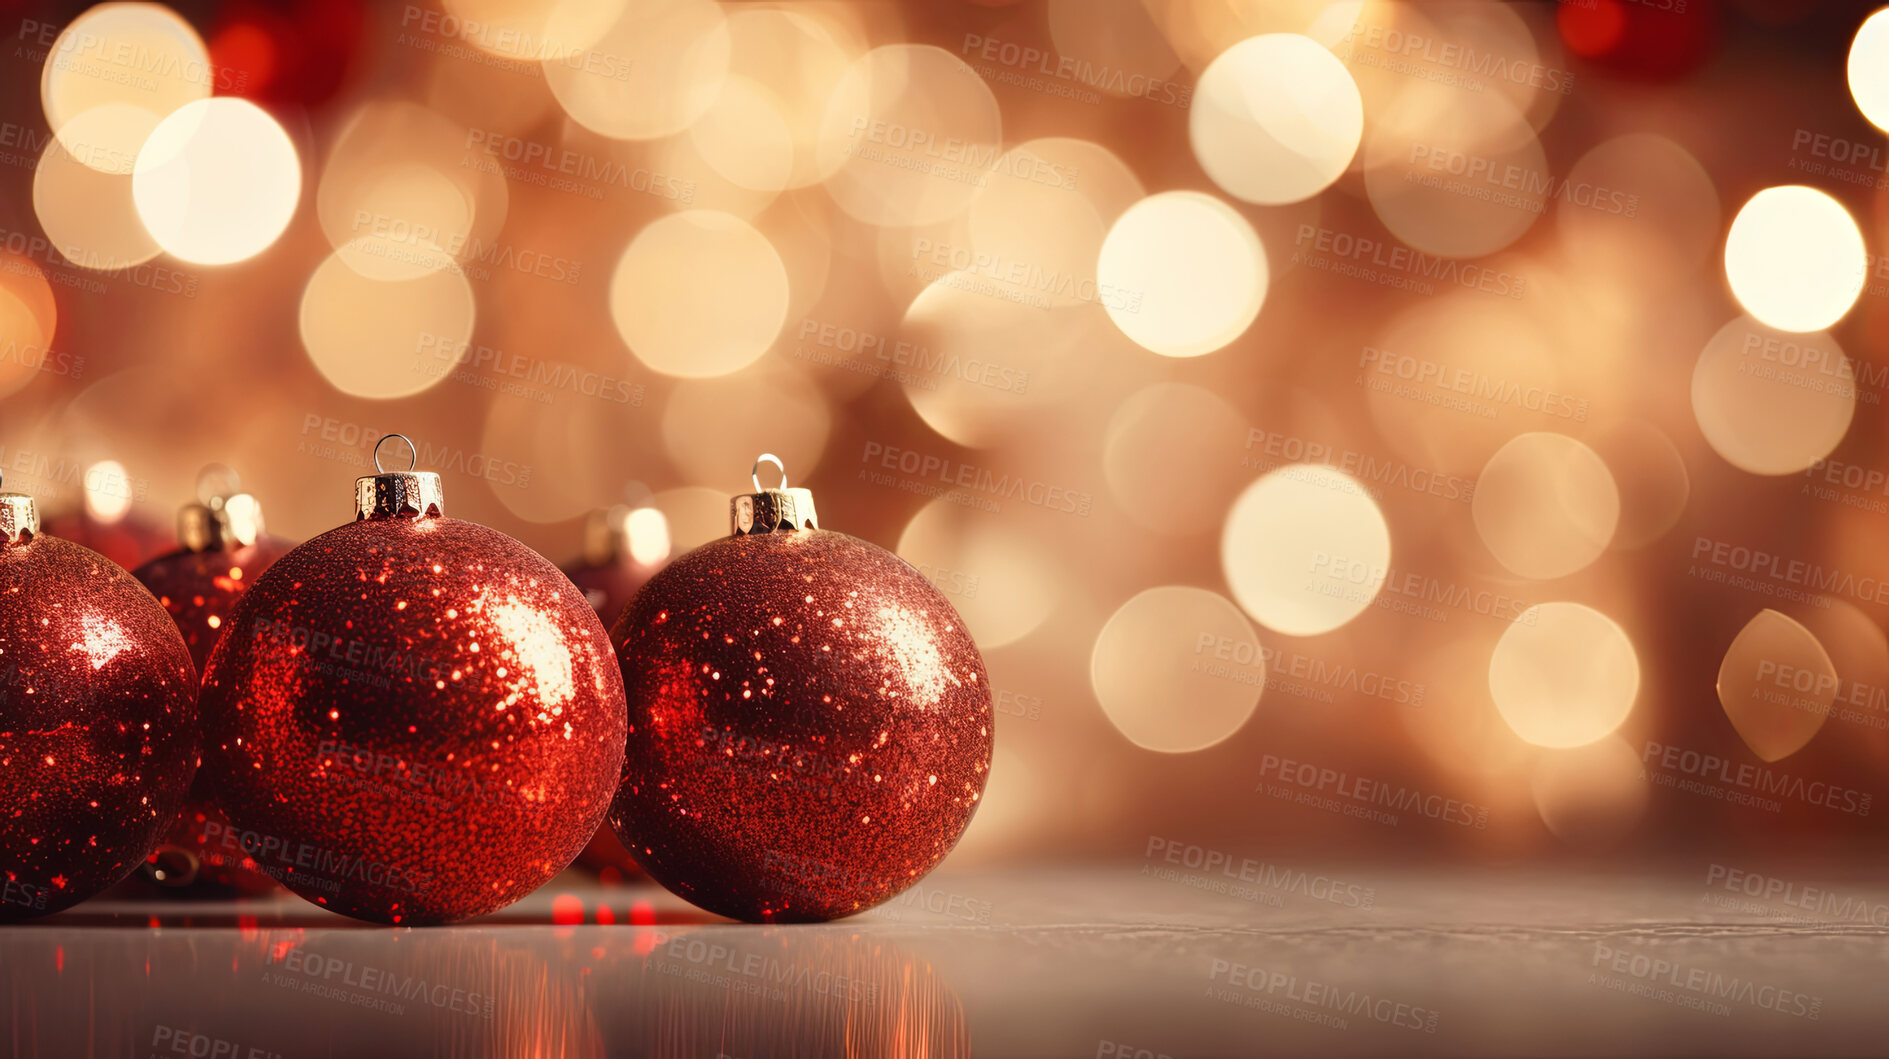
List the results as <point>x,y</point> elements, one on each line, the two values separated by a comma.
<point>653,72</point>
<point>406,190</point>
<point>1776,685</point>
<point>1037,228</point>
<point>217,181</point>
<point>698,294</point>
<point>135,63</point>
<point>1182,274</point>
<point>793,62</point>
<point>1868,68</point>
<point>1563,675</point>
<point>533,30</point>
<point>1305,549</point>
<point>1644,205</point>
<point>647,530</point>
<point>910,136</point>
<point>1795,258</point>
<point>980,369</point>
<point>1461,180</point>
<point>744,137</point>
<point>108,490</point>
<point>384,338</point>
<point>88,213</point>
<point>1177,669</point>
<point>1546,505</point>
<point>1769,401</point>
<point>23,342</point>
<point>1001,582</point>
<point>1275,119</point>
<point>1591,796</point>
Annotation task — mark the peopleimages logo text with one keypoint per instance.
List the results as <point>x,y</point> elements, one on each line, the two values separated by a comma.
<point>1770,566</point>
<point>1755,778</point>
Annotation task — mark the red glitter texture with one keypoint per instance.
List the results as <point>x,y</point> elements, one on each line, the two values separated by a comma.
<point>98,725</point>
<point>413,720</point>
<point>810,726</point>
<point>200,590</point>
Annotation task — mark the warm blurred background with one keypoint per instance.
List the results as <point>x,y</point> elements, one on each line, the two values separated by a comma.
<point>1351,429</point>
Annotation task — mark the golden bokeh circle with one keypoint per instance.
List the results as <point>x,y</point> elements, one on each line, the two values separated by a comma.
<point>1545,505</point>
<point>655,70</point>
<point>1795,258</point>
<point>1868,68</point>
<point>1459,180</point>
<point>88,213</point>
<point>1177,669</point>
<point>1770,401</point>
<point>1182,274</point>
<point>1275,119</point>
<point>217,181</point>
<point>909,137</point>
<point>698,294</point>
<point>374,338</point>
<point>1776,684</point>
<point>1305,549</point>
<point>141,61</point>
<point>1002,583</point>
<point>1590,796</point>
<point>1564,675</point>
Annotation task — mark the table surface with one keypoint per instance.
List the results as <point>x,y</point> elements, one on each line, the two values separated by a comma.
<point>1136,961</point>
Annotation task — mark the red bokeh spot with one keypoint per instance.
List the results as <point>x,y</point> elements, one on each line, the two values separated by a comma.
<point>248,48</point>
<point>1593,29</point>
<point>1657,39</point>
<point>286,51</point>
<point>567,910</point>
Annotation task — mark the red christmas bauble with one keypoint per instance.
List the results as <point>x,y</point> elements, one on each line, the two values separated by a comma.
<point>199,588</point>
<point>413,719</point>
<point>810,726</point>
<point>98,720</point>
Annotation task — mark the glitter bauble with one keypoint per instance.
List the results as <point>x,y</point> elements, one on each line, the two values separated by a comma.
<point>98,719</point>
<point>810,726</point>
<point>413,719</point>
<point>198,857</point>
<point>200,589</point>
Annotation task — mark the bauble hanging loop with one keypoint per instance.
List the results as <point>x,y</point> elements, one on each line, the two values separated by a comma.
<point>399,494</point>
<point>769,510</point>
